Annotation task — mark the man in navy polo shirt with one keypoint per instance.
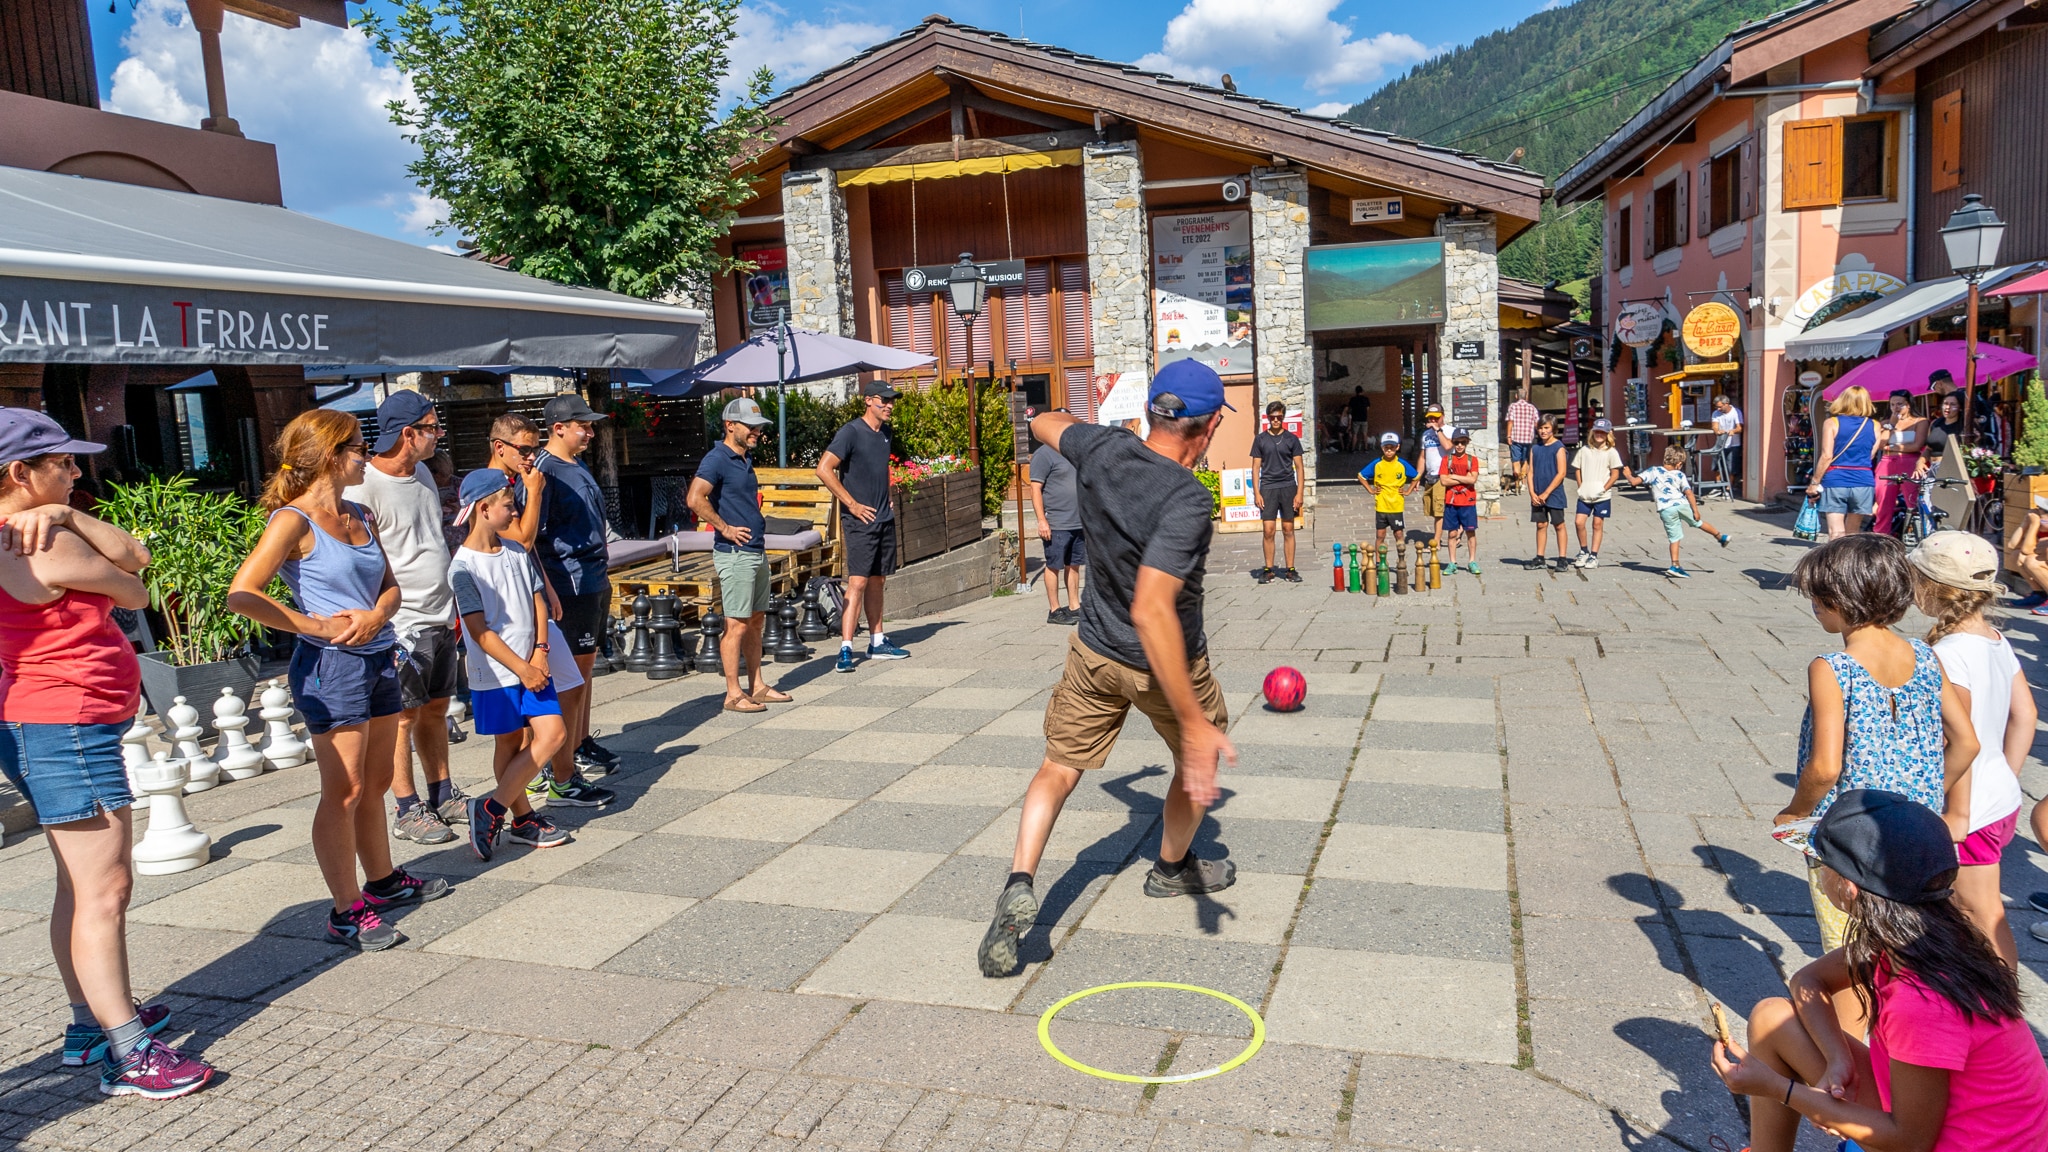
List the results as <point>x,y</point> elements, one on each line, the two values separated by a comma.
<point>726,497</point>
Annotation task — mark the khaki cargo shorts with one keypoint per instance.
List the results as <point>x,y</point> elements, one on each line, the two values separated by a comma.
<point>1433,500</point>
<point>1094,695</point>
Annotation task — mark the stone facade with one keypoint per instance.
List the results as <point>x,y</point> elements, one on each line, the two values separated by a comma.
<point>1285,365</point>
<point>820,258</point>
<point>1472,312</point>
<point>1119,256</point>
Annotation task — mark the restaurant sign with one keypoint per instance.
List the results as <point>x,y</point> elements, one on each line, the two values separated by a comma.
<point>1639,324</point>
<point>1711,330</point>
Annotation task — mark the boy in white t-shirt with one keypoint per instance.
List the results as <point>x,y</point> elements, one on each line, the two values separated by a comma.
<point>502,600</point>
<point>1671,489</point>
<point>1595,466</point>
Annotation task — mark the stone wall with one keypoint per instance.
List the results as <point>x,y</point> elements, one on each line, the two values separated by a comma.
<point>1119,256</point>
<point>1285,365</point>
<point>1472,298</point>
<point>820,260</point>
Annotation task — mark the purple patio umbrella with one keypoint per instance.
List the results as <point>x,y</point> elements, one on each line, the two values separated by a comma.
<point>807,356</point>
<point>1909,368</point>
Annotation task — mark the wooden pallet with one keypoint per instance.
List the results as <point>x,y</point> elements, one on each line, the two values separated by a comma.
<point>798,494</point>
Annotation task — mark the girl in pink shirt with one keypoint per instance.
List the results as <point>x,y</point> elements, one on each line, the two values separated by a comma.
<point>1951,1065</point>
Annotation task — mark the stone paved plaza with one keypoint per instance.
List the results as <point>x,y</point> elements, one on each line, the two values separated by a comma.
<point>1488,880</point>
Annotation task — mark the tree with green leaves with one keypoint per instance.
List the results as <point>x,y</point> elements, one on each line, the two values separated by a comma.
<point>583,139</point>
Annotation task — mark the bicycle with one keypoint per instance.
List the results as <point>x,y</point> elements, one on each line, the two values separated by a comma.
<point>1916,519</point>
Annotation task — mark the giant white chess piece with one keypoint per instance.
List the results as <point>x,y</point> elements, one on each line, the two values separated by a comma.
<point>135,757</point>
<point>238,759</point>
<point>171,844</point>
<point>203,773</point>
<point>281,747</point>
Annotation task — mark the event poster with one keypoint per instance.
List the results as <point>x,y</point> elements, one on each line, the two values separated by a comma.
<point>1236,488</point>
<point>1120,399</point>
<point>766,288</point>
<point>1202,290</point>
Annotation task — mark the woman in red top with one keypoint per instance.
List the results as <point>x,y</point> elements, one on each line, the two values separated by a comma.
<point>69,686</point>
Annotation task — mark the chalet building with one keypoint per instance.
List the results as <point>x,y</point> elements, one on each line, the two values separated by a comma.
<point>1127,219</point>
<point>1795,176</point>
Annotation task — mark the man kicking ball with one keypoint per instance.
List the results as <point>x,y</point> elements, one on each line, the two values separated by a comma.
<point>1140,640</point>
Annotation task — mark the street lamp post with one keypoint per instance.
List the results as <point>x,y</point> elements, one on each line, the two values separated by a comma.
<point>968,289</point>
<point>1971,237</point>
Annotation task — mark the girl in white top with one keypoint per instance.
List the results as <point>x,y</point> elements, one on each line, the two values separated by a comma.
<point>1952,583</point>
<point>1596,466</point>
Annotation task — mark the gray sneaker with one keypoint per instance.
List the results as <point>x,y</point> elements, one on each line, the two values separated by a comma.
<point>1199,876</point>
<point>1016,909</point>
<point>421,825</point>
<point>455,809</point>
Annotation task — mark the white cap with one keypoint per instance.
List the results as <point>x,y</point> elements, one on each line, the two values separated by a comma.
<point>1393,438</point>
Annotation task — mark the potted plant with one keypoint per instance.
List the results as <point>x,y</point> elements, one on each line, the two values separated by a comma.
<point>196,541</point>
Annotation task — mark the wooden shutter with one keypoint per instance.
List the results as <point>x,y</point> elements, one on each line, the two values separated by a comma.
<point>1746,167</point>
<point>1813,163</point>
<point>1648,224</point>
<point>1682,209</point>
<point>910,317</point>
<point>1706,195</point>
<point>1080,385</point>
<point>1077,320</point>
<point>1948,142</point>
<point>1615,255</point>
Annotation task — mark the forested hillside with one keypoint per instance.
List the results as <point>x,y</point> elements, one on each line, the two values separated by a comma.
<point>1553,87</point>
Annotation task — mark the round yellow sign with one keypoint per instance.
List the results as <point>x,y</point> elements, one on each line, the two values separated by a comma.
<point>1711,330</point>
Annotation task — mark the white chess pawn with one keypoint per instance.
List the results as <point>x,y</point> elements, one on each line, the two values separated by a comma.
<point>203,773</point>
<point>135,757</point>
<point>281,747</point>
<point>171,844</point>
<point>238,760</point>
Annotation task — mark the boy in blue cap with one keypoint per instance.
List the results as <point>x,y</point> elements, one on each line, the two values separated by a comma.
<point>500,597</point>
<point>1140,641</point>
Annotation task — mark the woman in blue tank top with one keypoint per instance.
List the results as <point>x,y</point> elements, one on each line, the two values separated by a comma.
<point>344,672</point>
<point>1844,477</point>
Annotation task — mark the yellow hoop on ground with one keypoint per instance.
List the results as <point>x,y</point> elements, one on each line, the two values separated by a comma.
<point>1258,1033</point>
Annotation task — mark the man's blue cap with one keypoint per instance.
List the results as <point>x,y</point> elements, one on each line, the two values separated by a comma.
<point>399,411</point>
<point>1185,388</point>
<point>479,485</point>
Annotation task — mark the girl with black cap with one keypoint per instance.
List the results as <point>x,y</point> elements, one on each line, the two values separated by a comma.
<point>1951,1065</point>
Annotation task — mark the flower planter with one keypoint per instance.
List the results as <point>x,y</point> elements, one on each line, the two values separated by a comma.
<point>163,682</point>
<point>963,508</point>
<point>934,513</point>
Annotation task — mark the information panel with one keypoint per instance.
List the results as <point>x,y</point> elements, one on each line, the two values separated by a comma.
<point>1202,290</point>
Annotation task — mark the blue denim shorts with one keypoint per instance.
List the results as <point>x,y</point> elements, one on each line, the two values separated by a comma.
<point>68,771</point>
<point>335,688</point>
<point>1848,501</point>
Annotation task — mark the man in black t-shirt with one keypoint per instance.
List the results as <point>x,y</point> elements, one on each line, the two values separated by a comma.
<point>1276,487</point>
<point>1361,417</point>
<point>1140,641</point>
<point>855,467</point>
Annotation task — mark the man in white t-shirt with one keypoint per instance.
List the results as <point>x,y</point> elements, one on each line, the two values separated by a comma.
<point>1728,442</point>
<point>405,507</point>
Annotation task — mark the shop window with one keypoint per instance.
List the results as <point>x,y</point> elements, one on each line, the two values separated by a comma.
<point>1664,214</point>
<point>1869,155</point>
<point>1946,128</point>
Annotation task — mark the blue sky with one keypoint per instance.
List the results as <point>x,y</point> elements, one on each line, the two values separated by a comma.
<point>318,93</point>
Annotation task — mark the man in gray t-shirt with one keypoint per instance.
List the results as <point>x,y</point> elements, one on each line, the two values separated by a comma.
<point>1058,509</point>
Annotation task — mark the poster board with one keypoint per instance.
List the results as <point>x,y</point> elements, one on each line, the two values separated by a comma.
<point>1468,406</point>
<point>767,287</point>
<point>1237,496</point>
<point>1202,290</point>
<point>1120,397</point>
<point>1377,285</point>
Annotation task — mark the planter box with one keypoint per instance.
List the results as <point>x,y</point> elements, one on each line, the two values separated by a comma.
<point>200,684</point>
<point>928,519</point>
<point>963,508</point>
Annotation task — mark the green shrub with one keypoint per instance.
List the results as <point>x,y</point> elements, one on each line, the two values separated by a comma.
<point>2031,449</point>
<point>196,541</point>
<point>1213,481</point>
<point>812,421</point>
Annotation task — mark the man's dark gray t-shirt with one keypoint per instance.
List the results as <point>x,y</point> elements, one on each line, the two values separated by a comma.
<point>1062,502</point>
<point>864,467</point>
<point>1139,510</point>
<point>1276,456</point>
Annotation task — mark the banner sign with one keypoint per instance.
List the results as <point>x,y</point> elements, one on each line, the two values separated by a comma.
<point>928,278</point>
<point>1202,290</point>
<point>766,288</point>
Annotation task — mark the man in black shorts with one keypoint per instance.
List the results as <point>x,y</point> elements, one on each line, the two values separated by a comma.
<point>1140,641</point>
<point>867,523</point>
<point>573,554</point>
<point>1276,487</point>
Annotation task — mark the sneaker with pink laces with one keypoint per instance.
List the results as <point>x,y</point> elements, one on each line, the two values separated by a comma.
<point>155,1070</point>
<point>362,927</point>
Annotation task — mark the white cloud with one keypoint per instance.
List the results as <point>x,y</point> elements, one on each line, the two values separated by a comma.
<point>1329,108</point>
<point>794,51</point>
<point>316,92</point>
<point>423,213</point>
<point>1287,37</point>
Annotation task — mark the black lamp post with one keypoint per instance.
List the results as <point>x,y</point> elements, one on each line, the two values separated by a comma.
<point>968,289</point>
<point>1971,237</point>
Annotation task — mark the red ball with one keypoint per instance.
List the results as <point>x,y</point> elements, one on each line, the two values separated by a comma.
<point>1285,688</point>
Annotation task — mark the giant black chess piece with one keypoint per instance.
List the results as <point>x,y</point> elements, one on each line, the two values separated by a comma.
<point>640,650</point>
<point>813,627</point>
<point>709,629</point>
<point>771,626</point>
<point>791,650</point>
<point>663,663</point>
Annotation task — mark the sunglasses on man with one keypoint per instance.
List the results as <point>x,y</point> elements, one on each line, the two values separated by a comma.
<point>525,453</point>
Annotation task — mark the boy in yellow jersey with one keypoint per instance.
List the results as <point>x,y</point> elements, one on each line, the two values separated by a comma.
<point>1391,480</point>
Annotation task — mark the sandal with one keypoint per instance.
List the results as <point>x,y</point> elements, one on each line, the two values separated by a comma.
<point>771,696</point>
<point>745,704</point>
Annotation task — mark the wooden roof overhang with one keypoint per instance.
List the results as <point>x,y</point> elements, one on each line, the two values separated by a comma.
<point>836,119</point>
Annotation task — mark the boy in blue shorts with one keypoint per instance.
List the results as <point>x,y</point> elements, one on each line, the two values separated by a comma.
<point>500,596</point>
<point>1677,506</point>
<point>1391,480</point>
<point>1461,502</point>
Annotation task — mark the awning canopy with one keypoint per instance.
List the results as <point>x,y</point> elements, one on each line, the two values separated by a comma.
<point>1861,334</point>
<point>93,272</point>
<point>2038,282</point>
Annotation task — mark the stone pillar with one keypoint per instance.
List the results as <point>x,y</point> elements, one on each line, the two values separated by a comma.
<point>820,260</point>
<point>1119,256</point>
<point>1285,365</point>
<point>1472,312</point>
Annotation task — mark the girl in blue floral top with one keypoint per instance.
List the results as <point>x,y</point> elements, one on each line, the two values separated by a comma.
<point>1879,712</point>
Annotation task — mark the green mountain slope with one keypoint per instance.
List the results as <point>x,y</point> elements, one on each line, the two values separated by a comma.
<point>1554,86</point>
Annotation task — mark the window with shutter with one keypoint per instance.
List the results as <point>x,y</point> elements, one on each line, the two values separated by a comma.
<point>910,317</point>
<point>1813,163</point>
<point>1708,194</point>
<point>959,349</point>
<point>1624,241</point>
<point>1666,220</point>
<point>1681,209</point>
<point>1947,143</point>
<point>1077,318</point>
<point>1869,157</point>
<point>1722,192</point>
<point>1080,393</point>
<point>1616,257</point>
<point>1746,176</point>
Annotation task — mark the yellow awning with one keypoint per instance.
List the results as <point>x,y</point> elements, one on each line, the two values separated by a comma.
<point>947,169</point>
<point>1702,371</point>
